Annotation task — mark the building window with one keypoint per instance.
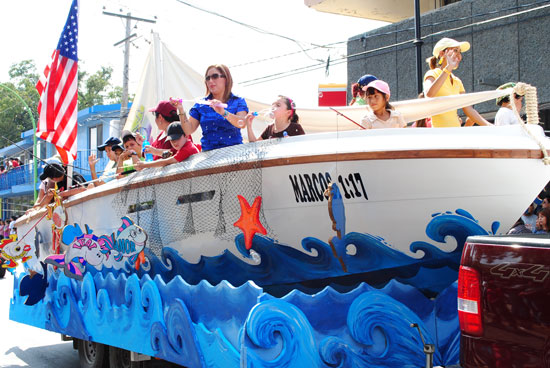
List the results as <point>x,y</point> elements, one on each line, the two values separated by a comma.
<point>95,136</point>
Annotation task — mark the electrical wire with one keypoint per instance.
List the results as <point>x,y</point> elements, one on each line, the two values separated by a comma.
<point>254,28</point>
<point>309,68</point>
<point>281,56</point>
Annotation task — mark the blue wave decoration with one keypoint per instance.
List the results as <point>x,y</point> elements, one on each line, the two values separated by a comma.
<point>218,312</point>
<point>223,326</point>
<point>372,258</point>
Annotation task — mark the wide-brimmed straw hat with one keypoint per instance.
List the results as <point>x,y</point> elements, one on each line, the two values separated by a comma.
<point>445,43</point>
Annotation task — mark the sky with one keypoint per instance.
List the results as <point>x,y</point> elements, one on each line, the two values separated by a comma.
<point>197,37</point>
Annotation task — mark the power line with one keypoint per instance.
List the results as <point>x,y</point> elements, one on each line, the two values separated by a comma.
<point>396,31</point>
<point>254,28</point>
<point>285,55</point>
<point>313,67</point>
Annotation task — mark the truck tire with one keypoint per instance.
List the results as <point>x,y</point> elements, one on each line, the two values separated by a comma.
<point>120,358</point>
<point>92,354</point>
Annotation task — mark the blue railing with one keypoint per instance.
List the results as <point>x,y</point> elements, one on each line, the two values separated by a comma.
<point>17,176</point>
<point>23,174</point>
<point>81,164</point>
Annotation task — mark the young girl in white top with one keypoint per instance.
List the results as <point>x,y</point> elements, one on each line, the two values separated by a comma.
<point>381,114</point>
<point>506,115</point>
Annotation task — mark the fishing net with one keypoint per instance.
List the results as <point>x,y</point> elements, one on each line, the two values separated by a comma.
<point>205,203</point>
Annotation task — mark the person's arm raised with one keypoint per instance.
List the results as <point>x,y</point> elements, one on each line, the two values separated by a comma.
<point>188,123</point>
<point>475,116</point>
<point>251,136</point>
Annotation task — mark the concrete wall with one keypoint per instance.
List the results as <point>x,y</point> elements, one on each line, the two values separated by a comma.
<point>511,49</point>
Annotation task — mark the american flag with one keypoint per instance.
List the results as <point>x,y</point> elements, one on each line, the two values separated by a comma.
<point>58,106</point>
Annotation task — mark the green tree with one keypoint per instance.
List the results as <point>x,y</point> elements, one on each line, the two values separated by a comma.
<point>93,89</point>
<point>13,118</point>
<point>96,89</point>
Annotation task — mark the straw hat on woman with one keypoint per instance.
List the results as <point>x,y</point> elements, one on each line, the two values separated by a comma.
<point>440,81</point>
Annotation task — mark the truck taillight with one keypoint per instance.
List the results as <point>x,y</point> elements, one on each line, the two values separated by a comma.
<point>469,301</point>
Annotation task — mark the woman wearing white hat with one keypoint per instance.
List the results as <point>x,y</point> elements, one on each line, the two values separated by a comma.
<point>440,81</point>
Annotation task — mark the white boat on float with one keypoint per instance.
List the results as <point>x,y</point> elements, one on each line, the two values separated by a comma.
<point>409,197</point>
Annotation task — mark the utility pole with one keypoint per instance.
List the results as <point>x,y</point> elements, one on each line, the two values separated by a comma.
<point>418,44</point>
<point>126,72</point>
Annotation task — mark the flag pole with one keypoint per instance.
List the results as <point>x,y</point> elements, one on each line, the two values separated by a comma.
<point>28,109</point>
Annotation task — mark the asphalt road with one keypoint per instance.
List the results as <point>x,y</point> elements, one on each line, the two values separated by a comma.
<point>26,346</point>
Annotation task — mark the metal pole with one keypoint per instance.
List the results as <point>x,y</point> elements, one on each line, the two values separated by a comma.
<point>418,43</point>
<point>28,109</point>
<point>126,76</point>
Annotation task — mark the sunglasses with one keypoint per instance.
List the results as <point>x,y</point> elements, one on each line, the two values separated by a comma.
<point>517,97</point>
<point>214,76</point>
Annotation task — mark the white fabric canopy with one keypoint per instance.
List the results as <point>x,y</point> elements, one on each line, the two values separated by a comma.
<point>165,76</point>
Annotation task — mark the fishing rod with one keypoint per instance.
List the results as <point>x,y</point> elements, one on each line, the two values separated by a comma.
<point>43,161</point>
<point>354,122</point>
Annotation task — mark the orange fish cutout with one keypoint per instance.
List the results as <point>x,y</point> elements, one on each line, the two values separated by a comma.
<point>139,260</point>
<point>249,222</point>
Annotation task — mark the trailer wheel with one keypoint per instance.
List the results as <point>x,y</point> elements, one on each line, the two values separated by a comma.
<point>92,354</point>
<point>120,358</point>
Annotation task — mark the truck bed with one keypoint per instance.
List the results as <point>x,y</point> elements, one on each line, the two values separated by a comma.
<point>514,301</point>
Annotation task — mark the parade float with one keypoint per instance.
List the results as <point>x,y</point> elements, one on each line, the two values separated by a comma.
<point>312,251</point>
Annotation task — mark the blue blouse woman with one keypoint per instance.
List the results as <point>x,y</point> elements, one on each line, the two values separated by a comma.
<point>222,116</point>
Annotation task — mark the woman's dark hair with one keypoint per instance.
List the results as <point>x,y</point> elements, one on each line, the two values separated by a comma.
<point>546,213</point>
<point>77,180</point>
<point>290,105</point>
<point>422,122</point>
<point>371,91</point>
<point>52,171</point>
<point>171,118</point>
<point>356,90</point>
<point>503,100</point>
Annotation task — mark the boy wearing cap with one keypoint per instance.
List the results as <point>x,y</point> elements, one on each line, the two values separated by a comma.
<point>165,113</point>
<point>110,146</point>
<point>185,148</point>
<point>505,115</point>
<point>133,153</point>
<point>357,91</point>
<point>440,81</point>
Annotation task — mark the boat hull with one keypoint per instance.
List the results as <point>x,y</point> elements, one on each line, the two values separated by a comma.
<point>394,209</point>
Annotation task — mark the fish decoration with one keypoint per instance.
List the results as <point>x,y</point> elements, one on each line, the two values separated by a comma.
<point>337,213</point>
<point>129,242</point>
<point>12,252</point>
<point>84,248</point>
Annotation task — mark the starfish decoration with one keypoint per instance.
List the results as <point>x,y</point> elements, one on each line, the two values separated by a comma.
<point>249,222</point>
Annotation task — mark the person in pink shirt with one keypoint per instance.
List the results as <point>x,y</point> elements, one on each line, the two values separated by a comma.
<point>7,229</point>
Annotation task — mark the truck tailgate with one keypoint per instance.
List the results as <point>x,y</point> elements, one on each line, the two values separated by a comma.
<point>514,283</point>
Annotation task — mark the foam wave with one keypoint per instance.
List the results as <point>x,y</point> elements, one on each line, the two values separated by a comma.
<point>224,326</point>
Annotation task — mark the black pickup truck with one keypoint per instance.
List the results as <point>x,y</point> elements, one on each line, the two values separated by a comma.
<point>504,301</point>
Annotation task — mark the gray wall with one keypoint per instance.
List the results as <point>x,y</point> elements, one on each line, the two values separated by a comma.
<point>512,49</point>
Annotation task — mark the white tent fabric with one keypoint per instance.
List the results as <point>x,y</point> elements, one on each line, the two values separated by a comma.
<point>165,76</point>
